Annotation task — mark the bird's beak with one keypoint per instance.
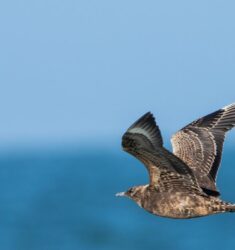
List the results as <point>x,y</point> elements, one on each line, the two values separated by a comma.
<point>121,194</point>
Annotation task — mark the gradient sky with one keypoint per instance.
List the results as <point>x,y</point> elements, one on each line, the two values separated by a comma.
<point>85,70</point>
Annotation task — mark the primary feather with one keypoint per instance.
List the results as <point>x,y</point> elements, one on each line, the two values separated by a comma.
<point>200,144</point>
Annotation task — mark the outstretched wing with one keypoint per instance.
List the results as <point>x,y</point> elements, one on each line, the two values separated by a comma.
<point>200,144</point>
<point>145,128</point>
<point>143,140</point>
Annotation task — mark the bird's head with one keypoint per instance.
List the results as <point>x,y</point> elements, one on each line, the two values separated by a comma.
<point>135,193</point>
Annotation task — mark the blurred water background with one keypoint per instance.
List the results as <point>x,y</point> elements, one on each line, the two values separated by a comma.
<point>66,200</point>
<point>74,75</point>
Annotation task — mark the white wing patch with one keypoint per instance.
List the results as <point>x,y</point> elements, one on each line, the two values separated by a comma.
<point>228,106</point>
<point>140,131</point>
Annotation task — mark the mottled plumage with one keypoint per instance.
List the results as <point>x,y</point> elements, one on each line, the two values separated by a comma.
<point>182,183</point>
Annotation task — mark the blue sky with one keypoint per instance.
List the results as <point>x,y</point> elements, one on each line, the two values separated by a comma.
<point>75,71</point>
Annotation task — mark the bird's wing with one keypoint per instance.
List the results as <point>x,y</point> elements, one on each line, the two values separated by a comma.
<point>169,173</point>
<point>200,144</point>
<point>143,140</point>
<point>146,127</point>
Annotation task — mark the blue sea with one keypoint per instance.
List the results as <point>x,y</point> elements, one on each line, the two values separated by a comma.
<point>66,200</point>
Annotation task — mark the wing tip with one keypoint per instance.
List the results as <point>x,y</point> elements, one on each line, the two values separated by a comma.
<point>146,118</point>
<point>232,105</point>
<point>147,126</point>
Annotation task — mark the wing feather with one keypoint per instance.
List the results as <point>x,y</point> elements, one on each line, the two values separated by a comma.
<point>147,127</point>
<point>200,144</point>
<point>166,172</point>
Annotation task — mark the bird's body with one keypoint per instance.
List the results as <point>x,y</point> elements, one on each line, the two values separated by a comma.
<point>182,185</point>
<point>179,204</point>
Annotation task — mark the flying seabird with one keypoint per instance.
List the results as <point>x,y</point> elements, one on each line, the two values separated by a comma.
<point>182,183</point>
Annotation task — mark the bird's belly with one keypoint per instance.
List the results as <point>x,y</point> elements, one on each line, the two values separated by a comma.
<point>179,205</point>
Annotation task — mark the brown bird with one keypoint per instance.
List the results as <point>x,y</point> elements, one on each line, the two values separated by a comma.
<point>182,183</point>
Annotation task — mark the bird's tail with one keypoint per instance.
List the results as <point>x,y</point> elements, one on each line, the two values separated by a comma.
<point>222,207</point>
<point>228,207</point>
